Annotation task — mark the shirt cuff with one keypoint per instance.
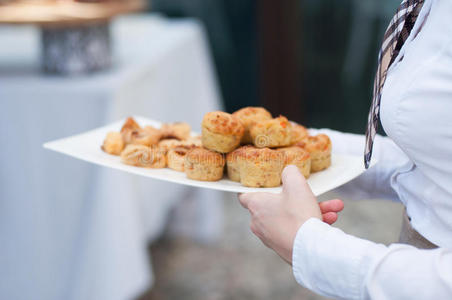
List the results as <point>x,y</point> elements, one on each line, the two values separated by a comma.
<point>330,262</point>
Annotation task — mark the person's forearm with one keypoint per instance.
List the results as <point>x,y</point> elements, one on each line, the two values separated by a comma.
<point>334,264</point>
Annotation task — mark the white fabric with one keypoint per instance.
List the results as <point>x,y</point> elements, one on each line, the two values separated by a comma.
<point>338,265</point>
<point>71,230</point>
<point>415,167</point>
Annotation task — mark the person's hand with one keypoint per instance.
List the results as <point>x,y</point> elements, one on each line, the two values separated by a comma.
<point>276,218</point>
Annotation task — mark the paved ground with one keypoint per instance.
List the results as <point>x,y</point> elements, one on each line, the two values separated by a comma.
<point>240,267</point>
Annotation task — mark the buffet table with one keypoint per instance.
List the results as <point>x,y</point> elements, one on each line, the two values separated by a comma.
<point>71,230</point>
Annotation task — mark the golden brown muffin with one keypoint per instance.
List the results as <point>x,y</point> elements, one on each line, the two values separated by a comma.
<point>299,157</point>
<point>178,130</point>
<point>203,164</point>
<point>232,163</point>
<point>143,156</point>
<point>176,157</point>
<point>319,147</point>
<point>299,133</point>
<point>260,167</point>
<point>249,116</point>
<point>272,133</point>
<point>113,143</point>
<point>221,131</point>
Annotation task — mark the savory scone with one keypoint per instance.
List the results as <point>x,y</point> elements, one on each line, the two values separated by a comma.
<point>113,143</point>
<point>299,157</point>
<point>176,157</point>
<point>203,164</point>
<point>221,131</point>
<point>319,147</point>
<point>178,130</point>
<point>260,167</point>
<point>299,133</point>
<point>276,132</point>
<point>232,162</point>
<point>232,165</point>
<point>143,156</point>
<point>249,116</point>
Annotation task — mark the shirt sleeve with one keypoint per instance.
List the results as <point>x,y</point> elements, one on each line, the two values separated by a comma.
<point>375,183</point>
<point>360,269</point>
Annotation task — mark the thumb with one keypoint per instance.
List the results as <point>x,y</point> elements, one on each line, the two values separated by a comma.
<point>293,181</point>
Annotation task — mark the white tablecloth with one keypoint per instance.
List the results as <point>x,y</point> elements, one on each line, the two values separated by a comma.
<point>71,230</point>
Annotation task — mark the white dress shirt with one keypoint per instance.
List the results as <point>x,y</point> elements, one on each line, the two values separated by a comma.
<point>415,167</point>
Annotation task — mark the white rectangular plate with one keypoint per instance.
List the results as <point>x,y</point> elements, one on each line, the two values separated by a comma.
<point>86,146</point>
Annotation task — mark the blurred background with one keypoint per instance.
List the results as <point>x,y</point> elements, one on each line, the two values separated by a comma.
<point>76,231</point>
<point>312,61</point>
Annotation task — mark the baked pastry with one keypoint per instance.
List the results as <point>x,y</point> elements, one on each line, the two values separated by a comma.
<point>260,167</point>
<point>319,147</point>
<point>194,141</point>
<point>147,136</point>
<point>132,133</point>
<point>232,162</point>
<point>272,133</point>
<point>202,157</point>
<point>178,130</point>
<point>130,124</point>
<point>168,144</point>
<point>176,157</point>
<point>299,133</point>
<point>113,143</point>
<point>299,157</point>
<point>232,165</point>
<point>203,164</point>
<point>249,116</point>
<point>143,156</point>
<point>221,131</point>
